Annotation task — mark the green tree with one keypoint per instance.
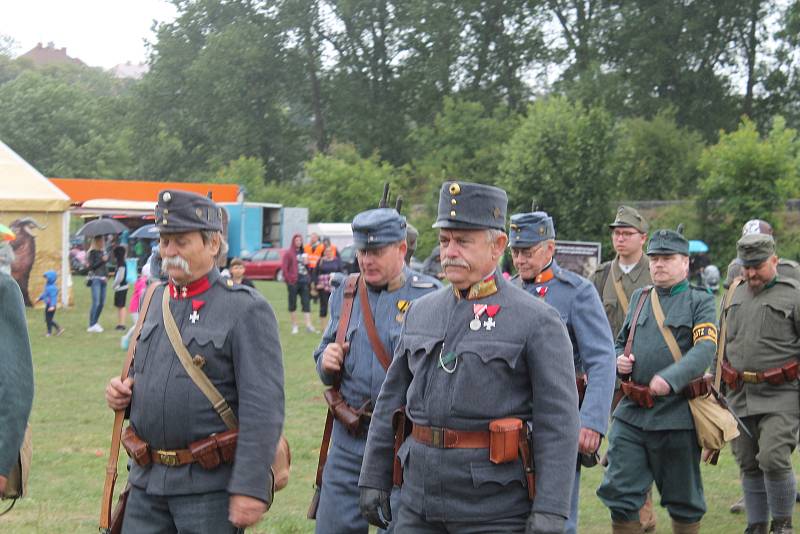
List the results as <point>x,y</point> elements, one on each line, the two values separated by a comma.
<point>560,156</point>
<point>248,173</point>
<point>745,176</point>
<point>656,159</point>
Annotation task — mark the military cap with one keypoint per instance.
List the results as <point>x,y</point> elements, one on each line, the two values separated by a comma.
<point>182,211</point>
<point>629,217</point>
<point>528,229</point>
<point>378,228</point>
<point>666,242</point>
<point>754,249</point>
<point>757,226</point>
<point>468,206</point>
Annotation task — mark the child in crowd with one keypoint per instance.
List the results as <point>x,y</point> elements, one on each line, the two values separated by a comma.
<point>138,292</point>
<point>50,298</point>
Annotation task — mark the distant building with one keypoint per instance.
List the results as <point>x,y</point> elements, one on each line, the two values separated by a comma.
<point>130,70</point>
<point>50,55</point>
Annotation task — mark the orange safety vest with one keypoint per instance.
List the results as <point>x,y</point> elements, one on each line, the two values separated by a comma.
<point>313,254</point>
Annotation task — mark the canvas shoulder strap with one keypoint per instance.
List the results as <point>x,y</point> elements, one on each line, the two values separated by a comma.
<point>723,328</point>
<point>658,313</point>
<point>200,379</point>
<point>372,331</point>
<point>618,289</point>
<point>119,416</point>
<point>635,319</point>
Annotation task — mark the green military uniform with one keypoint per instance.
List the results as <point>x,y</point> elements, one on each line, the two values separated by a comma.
<point>16,373</point>
<point>603,279</point>
<point>763,332</point>
<point>659,444</point>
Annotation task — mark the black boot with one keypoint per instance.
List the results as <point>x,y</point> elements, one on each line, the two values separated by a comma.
<point>757,528</point>
<point>782,526</point>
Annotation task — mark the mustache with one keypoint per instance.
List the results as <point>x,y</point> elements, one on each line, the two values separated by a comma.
<point>455,262</point>
<point>176,261</point>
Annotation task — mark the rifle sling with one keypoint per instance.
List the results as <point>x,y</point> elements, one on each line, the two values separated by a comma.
<point>723,329</point>
<point>119,417</point>
<point>341,333</point>
<point>623,300</point>
<point>372,331</point>
<point>635,319</point>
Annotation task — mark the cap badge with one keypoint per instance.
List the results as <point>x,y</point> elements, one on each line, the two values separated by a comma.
<point>166,197</point>
<point>496,212</point>
<point>541,230</point>
<point>199,213</point>
<point>455,189</point>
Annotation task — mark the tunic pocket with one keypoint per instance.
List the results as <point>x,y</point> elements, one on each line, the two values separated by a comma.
<point>776,322</point>
<point>485,378</point>
<point>500,474</point>
<point>146,339</point>
<point>421,353</point>
<point>207,348</point>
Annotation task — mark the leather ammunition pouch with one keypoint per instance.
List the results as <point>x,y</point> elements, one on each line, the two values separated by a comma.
<point>581,382</point>
<point>639,394</point>
<point>206,452</point>
<point>698,387</point>
<point>774,376</point>
<point>504,440</point>
<point>138,450</point>
<point>356,421</point>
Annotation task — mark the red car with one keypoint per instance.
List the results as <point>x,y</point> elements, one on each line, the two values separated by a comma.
<point>264,264</point>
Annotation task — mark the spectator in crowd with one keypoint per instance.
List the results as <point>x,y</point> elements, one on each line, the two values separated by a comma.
<point>96,280</point>
<point>296,274</point>
<point>328,264</point>
<point>237,270</point>
<point>138,290</point>
<point>50,298</point>
<point>120,286</point>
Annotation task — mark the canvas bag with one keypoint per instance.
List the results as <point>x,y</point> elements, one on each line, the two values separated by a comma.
<point>715,426</point>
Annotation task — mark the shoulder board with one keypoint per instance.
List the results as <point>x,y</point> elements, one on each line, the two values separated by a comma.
<point>230,285</point>
<point>421,281</point>
<point>703,289</point>
<point>337,279</point>
<point>788,281</point>
<point>569,277</point>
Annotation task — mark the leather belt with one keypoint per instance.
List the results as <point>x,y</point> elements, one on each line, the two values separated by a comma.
<point>447,438</point>
<point>172,458</point>
<point>774,376</point>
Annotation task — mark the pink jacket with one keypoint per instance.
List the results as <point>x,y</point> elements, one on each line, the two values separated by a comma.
<point>138,291</point>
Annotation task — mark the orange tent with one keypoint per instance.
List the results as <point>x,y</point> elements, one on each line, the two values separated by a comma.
<point>80,190</point>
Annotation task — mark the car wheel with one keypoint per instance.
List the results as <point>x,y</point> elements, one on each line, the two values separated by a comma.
<point>279,276</point>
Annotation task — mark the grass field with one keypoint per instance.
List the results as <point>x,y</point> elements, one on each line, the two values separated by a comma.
<point>71,428</point>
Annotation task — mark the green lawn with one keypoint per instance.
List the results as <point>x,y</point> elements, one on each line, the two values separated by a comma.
<point>71,427</point>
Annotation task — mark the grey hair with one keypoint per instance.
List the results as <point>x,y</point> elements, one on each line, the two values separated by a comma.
<point>206,235</point>
<point>493,233</point>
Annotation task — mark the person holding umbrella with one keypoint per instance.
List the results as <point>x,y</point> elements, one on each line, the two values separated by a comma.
<point>96,280</point>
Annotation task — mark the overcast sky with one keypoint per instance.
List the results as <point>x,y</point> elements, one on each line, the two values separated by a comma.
<point>101,33</point>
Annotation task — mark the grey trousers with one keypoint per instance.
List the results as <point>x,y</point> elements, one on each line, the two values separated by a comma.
<point>204,513</point>
<point>408,521</point>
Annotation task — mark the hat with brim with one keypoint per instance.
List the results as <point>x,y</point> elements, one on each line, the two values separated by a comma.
<point>754,249</point>
<point>470,206</point>
<point>529,229</point>
<point>377,228</point>
<point>667,243</point>
<point>628,217</point>
<point>180,211</point>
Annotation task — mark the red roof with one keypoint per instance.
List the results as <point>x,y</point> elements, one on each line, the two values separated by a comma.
<point>80,190</point>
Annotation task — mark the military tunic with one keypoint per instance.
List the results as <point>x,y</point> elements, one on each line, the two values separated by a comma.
<point>362,378</point>
<point>659,444</point>
<point>16,373</point>
<point>592,346</point>
<point>763,332</point>
<point>604,283</point>
<point>235,333</point>
<point>518,364</point>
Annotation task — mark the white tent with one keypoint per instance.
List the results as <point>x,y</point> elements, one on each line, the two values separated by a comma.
<point>38,212</point>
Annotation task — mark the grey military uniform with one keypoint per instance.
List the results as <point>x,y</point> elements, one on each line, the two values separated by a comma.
<point>517,365</point>
<point>361,382</point>
<point>237,337</point>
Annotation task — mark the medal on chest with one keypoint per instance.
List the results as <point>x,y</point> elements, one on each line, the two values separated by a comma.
<point>478,310</point>
<point>541,291</point>
<point>196,305</point>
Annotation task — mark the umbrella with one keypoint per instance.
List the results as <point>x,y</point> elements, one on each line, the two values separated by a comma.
<point>6,233</point>
<point>101,227</point>
<point>697,246</point>
<point>148,231</point>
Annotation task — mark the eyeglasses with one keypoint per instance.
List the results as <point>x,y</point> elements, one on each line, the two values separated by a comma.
<point>525,253</point>
<point>622,234</point>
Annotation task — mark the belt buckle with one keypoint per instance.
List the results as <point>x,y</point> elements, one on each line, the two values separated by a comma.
<point>168,458</point>
<point>437,437</point>
<point>751,377</point>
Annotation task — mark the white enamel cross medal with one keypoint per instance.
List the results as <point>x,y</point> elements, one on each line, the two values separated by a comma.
<point>194,317</point>
<point>196,305</point>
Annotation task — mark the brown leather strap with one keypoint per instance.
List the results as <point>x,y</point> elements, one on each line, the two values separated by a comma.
<point>623,300</point>
<point>723,331</point>
<point>635,319</point>
<point>447,438</point>
<point>172,458</point>
<point>344,318</point>
<point>341,333</point>
<point>372,331</point>
<point>527,463</point>
<point>119,417</point>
